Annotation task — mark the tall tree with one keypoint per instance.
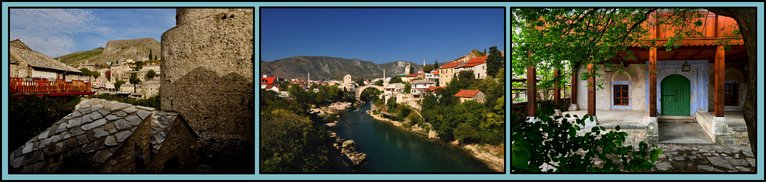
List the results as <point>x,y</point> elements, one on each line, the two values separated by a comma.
<point>746,22</point>
<point>495,61</point>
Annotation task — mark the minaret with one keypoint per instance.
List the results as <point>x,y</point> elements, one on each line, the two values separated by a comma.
<point>308,79</point>
<point>384,77</point>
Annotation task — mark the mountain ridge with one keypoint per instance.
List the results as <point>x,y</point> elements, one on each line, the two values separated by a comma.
<point>115,51</point>
<point>332,68</point>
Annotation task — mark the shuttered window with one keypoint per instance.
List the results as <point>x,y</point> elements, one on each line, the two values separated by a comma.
<point>620,95</point>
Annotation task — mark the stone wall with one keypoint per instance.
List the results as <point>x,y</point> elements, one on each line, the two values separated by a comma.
<point>207,70</point>
<point>207,77</point>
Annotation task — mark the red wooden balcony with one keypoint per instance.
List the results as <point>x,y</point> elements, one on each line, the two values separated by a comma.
<point>45,87</point>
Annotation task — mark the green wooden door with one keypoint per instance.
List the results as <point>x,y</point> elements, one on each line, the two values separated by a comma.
<point>675,96</point>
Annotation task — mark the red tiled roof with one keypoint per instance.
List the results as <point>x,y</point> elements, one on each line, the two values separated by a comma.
<point>268,80</point>
<point>433,88</point>
<point>475,61</point>
<point>413,75</point>
<point>467,93</point>
<point>435,72</point>
<point>450,65</point>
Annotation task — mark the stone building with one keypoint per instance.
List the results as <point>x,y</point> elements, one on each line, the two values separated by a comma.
<point>27,63</point>
<point>109,137</point>
<point>470,62</point>
<point>348,83</point>
<point>474,95</point>
<point>207,77</point>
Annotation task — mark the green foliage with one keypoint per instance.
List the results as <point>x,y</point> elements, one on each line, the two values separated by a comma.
<point>87,72</point>
<point>407,87</point>
<point>138,65</point>
<point>495,61</point>
<point>150,74</point>
<point>360,82</point>
<point>436,64</point>
<point>395,79</point>
<point>153,101</point>
<point>32,115</point>
<point>465,133</point>
<point>80,57</point>
<point>134,79</point>
<point>428,68</point>
<point>379,83</point>
<point>290,143</point>
<point>117,84</point>
<point>370,94</point>
<point>477,52</point>
<point>555,141</point>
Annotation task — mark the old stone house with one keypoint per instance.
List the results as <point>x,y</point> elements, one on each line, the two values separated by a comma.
<point>470,62</point>
<point>110,137</point>
<point>27,63</point>
<point>474,95</point>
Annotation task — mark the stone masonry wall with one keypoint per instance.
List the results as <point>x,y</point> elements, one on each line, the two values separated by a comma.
<point>207,77</point>
<point>207,70</point>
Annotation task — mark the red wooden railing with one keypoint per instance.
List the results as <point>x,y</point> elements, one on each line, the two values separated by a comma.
<point>43,86</point>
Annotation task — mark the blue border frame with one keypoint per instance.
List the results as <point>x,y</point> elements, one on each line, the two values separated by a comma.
<point>507,176</point>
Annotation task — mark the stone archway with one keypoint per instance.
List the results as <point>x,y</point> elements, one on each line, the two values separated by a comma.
<point>358,91</point>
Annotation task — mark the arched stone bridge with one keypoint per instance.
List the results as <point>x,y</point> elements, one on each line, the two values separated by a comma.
<point>358,91</point>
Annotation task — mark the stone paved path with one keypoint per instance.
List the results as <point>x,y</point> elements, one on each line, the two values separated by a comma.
<point>707,158</point>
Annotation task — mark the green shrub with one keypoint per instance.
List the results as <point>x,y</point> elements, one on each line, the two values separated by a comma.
<point>554,141</point>
<point>30,115</point>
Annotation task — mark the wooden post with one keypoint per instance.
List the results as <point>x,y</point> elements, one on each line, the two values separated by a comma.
<point>557,88</point>
<point>591,91</point>
<point>720,67</point>
<point>573,96</point>
<point>531,89</point>
<point>653,82</point>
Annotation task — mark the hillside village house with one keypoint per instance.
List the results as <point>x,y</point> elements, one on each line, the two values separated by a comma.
<point>420,87</point>
<point>27,63</point>
<point>699,80</point>
<point>150,88</point>
<point>470,62</point>
<point>474,95</point>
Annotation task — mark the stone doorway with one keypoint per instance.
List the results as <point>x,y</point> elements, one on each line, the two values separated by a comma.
<point>686,131</point>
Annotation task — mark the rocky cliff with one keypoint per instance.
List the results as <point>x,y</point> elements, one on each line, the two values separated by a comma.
<point>115,51</point>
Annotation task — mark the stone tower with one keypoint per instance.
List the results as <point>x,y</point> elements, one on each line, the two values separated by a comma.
<point>207,77</point>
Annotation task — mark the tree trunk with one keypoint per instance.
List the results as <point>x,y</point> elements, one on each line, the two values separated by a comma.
<point>745,18</point>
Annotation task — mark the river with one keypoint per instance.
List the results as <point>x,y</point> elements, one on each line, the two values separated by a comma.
<point>391,149</point>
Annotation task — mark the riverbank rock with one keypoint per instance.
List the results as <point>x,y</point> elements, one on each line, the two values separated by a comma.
<point>332,124</point>
<point>348,150</point>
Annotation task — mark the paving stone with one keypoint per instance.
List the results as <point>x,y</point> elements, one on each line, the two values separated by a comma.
<point>86,119</point>
<point>143,114</point>
<point>110,141</point>
<point>708,168</point>
<point>27,148</point>
<point>747,153</point>
<point>110,127</point>
<point>75,114</point>
<point>95,115</point>
<point>42,135</point>
<point>76,131</point>
<point>743,169</point>
<point>104,111</point>
<point>122,124</point>
<point>74,122</point>
<point>112,117</point>
<point>118,106</point>
<point>718,161</point>
<point>45,142</point>
<point>99,132</point>
<point>145,108</point>
<point>82,139</point>
<point>55,138</point>
<point>96,107</point>
<point>679,158</point>
<point>739,162</point>
<point>130,109</point>
<point>65,135</point>
<point>120,113</point>
<point>94,124</point>
<point>61,128</point>
<point>121,136</point>
<point>133,120</point>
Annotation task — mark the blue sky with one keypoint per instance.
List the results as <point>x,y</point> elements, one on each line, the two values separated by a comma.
<point>55,32</point>
<point>380,34</point>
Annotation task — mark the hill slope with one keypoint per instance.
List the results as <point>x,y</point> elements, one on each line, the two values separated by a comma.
<point>115,51</point>
<point>332,68</point>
